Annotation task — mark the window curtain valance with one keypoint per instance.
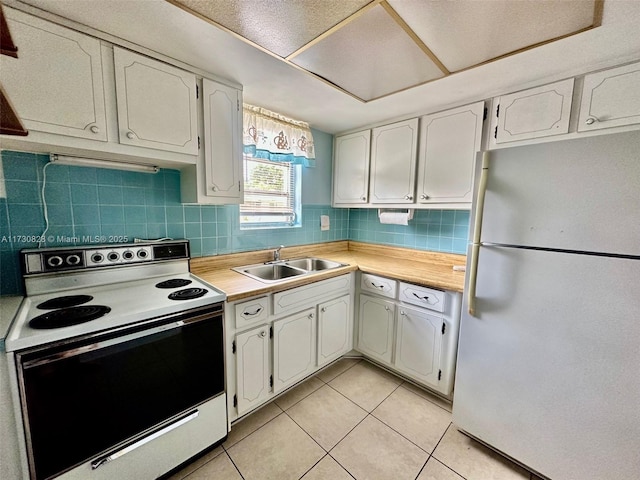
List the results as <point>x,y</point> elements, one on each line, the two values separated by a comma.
<point>275,137</point>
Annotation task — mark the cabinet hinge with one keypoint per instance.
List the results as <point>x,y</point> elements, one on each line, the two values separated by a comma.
<point>239,186</point>
<point>197,91</point>
<point>271,332</point>
<point>444,327</point>
<point>439,374</point>
<point>484,114</point>
<point>235,400</point>
<point>271,380</point>
<point>498,111</point>
<point>495,133</point>
<point>233,347</point>
<point>238,102</point>
<point>198,142</point>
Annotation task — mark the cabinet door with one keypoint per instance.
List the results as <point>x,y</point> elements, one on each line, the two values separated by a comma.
<point>334,329</point>
<point>223,144</point>
<point>394,151</point>
<point>448,145</point>
<point>156,104</point>
<point>56,83</point>
<point>418,344</point>
<point>351,168</point>
<point>252,357</point>
<point>534,113</point>
<point>610,98</point>
<point>376,325</point>
<point>294,348</point>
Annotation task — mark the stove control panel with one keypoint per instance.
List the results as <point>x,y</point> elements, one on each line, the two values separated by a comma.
<point>51,260</point>
<point>117,255</point>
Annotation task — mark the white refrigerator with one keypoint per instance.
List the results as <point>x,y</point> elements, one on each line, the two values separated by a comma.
<point>548,368</point>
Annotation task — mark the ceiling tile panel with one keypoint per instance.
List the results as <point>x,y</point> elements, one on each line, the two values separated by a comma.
<point>468,32</point>
<point>279,26</point>
<point>370,57</point>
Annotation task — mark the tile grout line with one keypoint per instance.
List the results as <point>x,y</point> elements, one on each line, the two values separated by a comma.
<point>231,460</point>
<point>266,423</point>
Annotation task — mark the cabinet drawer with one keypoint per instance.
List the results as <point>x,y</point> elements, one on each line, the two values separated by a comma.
<point>422,296</point>
<point>307,295</point>
<point>251,311</point>
<point>379,285</point>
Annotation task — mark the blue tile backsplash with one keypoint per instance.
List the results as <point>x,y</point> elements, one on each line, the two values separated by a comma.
<point>93,205</point>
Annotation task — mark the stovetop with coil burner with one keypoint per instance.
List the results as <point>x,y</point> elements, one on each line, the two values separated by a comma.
<point>70,303</point>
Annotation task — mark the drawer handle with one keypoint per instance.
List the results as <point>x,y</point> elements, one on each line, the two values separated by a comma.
<point>425,298</point>
<point>249,314</point>
<point>377,286</point>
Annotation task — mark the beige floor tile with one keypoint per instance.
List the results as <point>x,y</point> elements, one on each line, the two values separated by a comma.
<point>327,469</point>
<point>475,461</point>
<point>372,451</point>
<point>434,470</point>
<point>197,463</point>
<point>413,417</point>
<point>299,392</point>
<point>251,423</point>
<point>365,385</point>
<point>327,416</point>
<point>280,450</point>
<point>433,398</point>
<point>218,468</point>
<point>337,368</point>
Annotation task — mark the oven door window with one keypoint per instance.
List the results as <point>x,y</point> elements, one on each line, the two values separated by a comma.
<point>85,404</point>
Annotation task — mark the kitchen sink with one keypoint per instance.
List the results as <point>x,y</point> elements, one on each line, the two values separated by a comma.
<point>280,270</point>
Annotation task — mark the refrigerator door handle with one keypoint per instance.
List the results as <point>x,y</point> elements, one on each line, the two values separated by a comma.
<point>477,232</point>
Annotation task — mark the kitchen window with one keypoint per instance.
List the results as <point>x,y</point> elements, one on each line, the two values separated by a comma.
<point>272,193</point>
<point>275,147</point>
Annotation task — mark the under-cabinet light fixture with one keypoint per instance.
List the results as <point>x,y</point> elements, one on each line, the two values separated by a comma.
<point>92,162</point>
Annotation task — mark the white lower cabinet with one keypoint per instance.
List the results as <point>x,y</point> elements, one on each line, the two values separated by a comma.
<point>277,340</point>
<point>419,343</point>
<point>335,329</point>
<point>252,367</point>
<point>377,323</point>
<point>294,348</point>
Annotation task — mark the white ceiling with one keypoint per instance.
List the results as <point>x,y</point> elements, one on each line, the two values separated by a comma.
<point>272,83</point>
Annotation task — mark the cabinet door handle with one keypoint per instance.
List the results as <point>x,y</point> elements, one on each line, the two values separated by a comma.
<point>591,120</point>
<point>323,309</point>
<point>363,198</point>
<point>402,313</point>
<point>311,315</point>
<point>386,307</point>
<point>424,197</point>
<point>426,298</point>
<point>130,135</point>
<point>250,314</point>
<point>263,333</point>
<point>408,197</point>
<point>94,129</point>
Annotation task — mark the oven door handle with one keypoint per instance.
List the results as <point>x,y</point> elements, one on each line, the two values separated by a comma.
<point>90,347</point>
<point>158,433</point>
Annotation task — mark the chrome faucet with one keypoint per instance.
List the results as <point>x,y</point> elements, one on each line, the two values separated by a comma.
<point>276,253</point>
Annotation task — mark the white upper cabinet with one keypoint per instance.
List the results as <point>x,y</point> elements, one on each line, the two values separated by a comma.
<point>56,83</point>
<point>534,113</point>
<point>223,142</point>
<point>394,152</point>
<point>610,99</point>
<point>156,104</point>
<point>351,168</point>
<point>449,142</point>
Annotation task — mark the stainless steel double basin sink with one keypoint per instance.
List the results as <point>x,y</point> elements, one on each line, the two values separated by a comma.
<point>280,270</point>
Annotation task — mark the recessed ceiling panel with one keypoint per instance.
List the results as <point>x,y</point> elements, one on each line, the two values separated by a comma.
<point>370,57</point>
<point>281,27</point>
<point>465,33</point>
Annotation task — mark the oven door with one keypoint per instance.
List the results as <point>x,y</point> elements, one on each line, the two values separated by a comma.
<point>106,394</point>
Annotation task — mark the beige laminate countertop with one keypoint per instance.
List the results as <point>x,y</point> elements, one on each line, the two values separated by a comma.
<point>431,269</point>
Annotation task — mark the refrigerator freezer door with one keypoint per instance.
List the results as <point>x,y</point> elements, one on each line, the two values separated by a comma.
<point>548,369</point>
<point>575,195</point>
